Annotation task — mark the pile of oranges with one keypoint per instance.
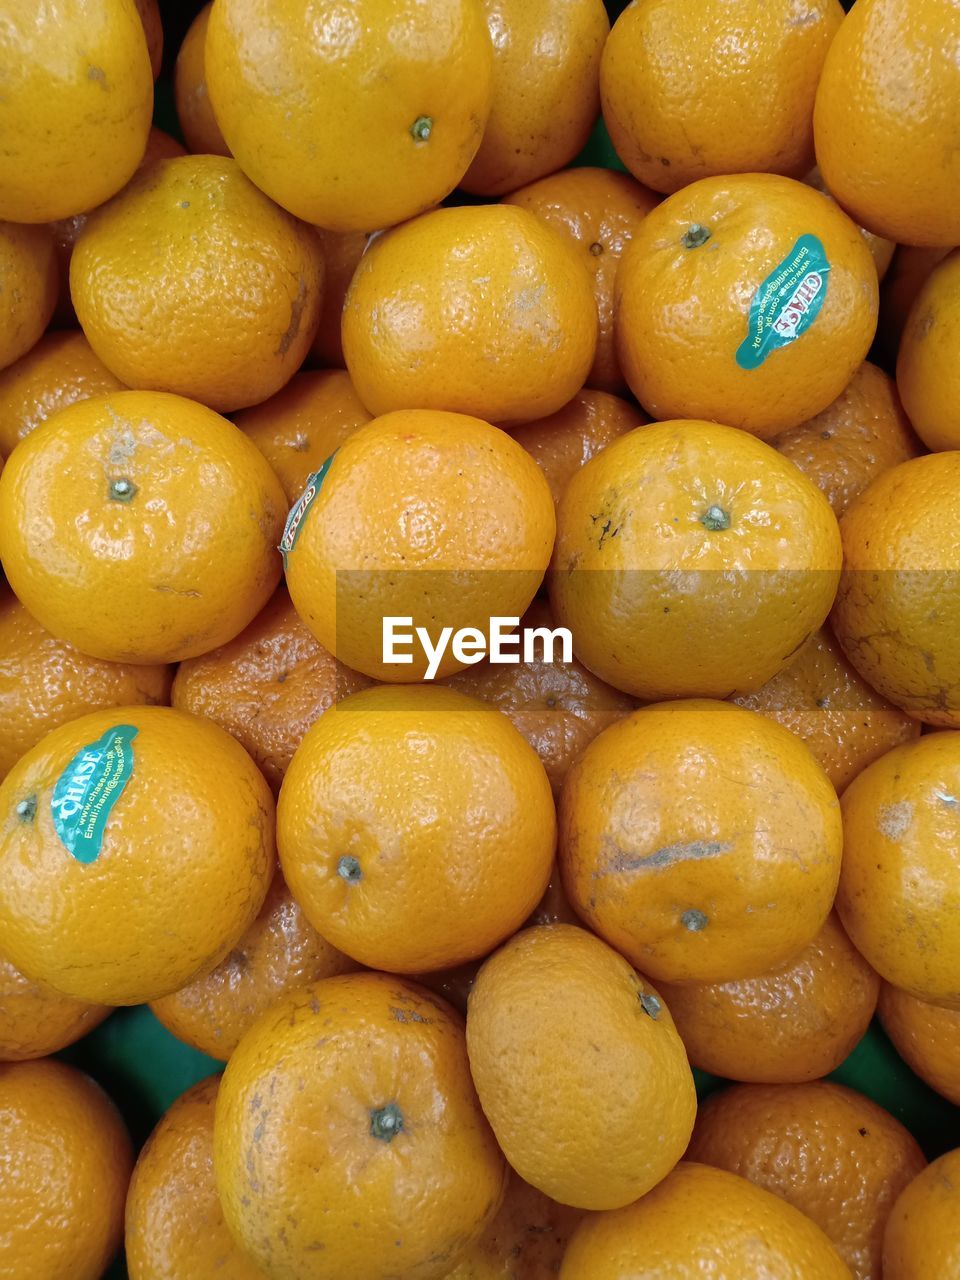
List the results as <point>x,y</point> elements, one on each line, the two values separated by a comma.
<point>368,349</point>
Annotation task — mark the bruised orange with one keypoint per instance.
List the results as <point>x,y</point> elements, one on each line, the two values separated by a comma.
<point>198,124</point>
<point>36,1021</point>
<point>927,1038</point>
<point>926,363</point>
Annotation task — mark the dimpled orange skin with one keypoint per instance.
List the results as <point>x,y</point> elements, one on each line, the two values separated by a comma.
<point>908,272</point>
<point>127,928</point>
<point>78,95</point>
<point>192,281</point>
<point>702,1222</point>
<point>416,827</point>
<point>897,612</point>
<point>435,516</point>
<point>342,252</point>
<point>921,1239</point>
<point>174,1222</point>
<point>297,429</point>
<point>881,249</point>
<point>283,85</point>
<point>927,1038</point>
<point>898,896</point>
<point>279,953</point>
<point>45,682</point>
<point>598,210</point>
<point>691,560</point>
<point>481,310</point>
<point>681,313</point>
<point>35,1021</point>
<point>546,91</point>
<point>830,1152</point>
<point>28,278</point>
<point>821,699</point>
<point>701,840</point>
<point>883,122</point>
<point>65,1161</point>
<point>926,364</point>
<point>846,446</point>
<point>795,1023</point>
<point>198,124</point>
<point>382,1128</point>
<point>175,569</point>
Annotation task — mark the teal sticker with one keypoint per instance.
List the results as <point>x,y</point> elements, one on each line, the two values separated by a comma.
<point>88,788</point>
<point>298,512</point>
<point>787,303</point>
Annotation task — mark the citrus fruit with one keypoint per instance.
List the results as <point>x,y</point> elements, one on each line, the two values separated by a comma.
<point>149,11</point>
<point>278,953</point>
<point>435,517</point>
<point>283,86</point>
<point>750,300</point>
<point>701,840</point>
<point>44,682</point>
<point>926,1038</point>
<point>598,210</point>
<point>883,117</point>
<point>78,95</point>
<point>66,1164</point>
<point>198,124</point>
<point>140,527</point>
<point>845,446</point>
<point>481,310</point>
<point>546,94</point>
<point>192,281</point>
<point>702,1222</point>
<point>416,827</point>
<point>897,612</point>
<point>830,1152</point>
<point>160,146</point>
<point>898,898</point>
<point>391,1096</point>
<point>908,272</point>
<point>715,89</point>
<point>821,699</point>
<point>114,829</point>
<point>28,270</point>
<point>922,1239</point>
<point>579,1068</point>
<point>297,429</point>
<point>691,559</point>
<point>35,1021</point>
<point>926,365</point>
<point>796,1022</point>
<point>881,249</point>
<point>342,250</point>
<point>174,1223</point>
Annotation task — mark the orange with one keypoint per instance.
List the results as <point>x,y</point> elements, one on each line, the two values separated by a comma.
<point>149,11</point>
<point>562,442</point>
<point>283,83</point>
<point>481,310</point>
<point>28,276</point>
<point>160,146</point>
<point>926,372</point>
<point>883,119</point>
<point>691,559</point>
<point>845,446</point>
<point>691,92</point>
<point>908,272</point>
<point>598,210</point>
<point>192,281</point>
<point>436,517</point>
<point>701,840</point>
<point>797,1022</point>
<point>830,1152</point>
<point>898,897</point>
<point>750,300</point>
<point>35,1021</point>
<point>65,1164</point>
<point>44,682</point>
<point>821,699</point>
<point>297,429</point>
<point>922,1239</point>
<point>279,953</point>
<point>198,124</point>
<point>174,1222</point>
<point>78,95</point>
<point>136,847</point>
<point>926,1037</point>
<point>416,827</point>
<point>342,250</point>
<point>702,1222</point>
<point>897,613</point>
<point>388,1102</point>
<point>140,527</point>
<point>881,249</point>
<point>546,91</point>
<point>590,1096</point>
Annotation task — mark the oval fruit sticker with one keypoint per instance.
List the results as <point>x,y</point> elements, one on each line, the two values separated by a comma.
<point>298,512</point>
<point>88,788</point>
<point>786,303</point>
